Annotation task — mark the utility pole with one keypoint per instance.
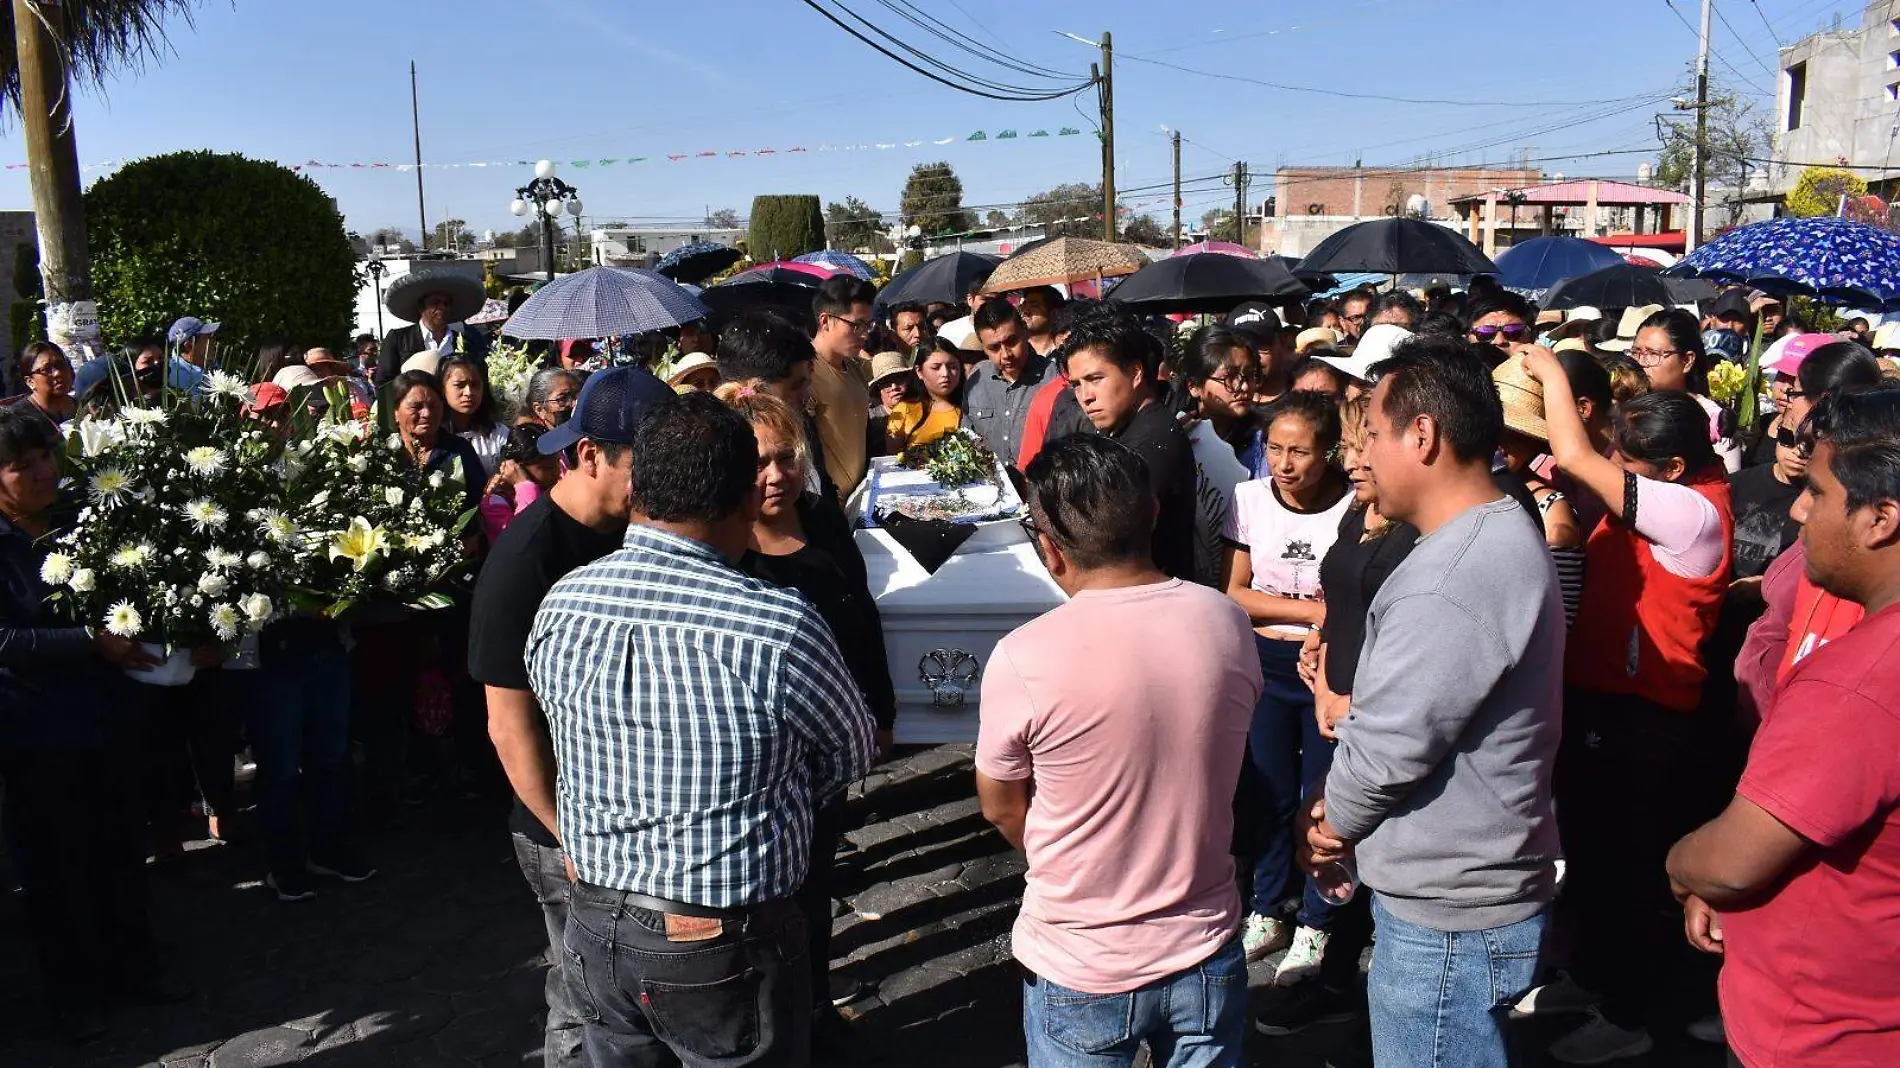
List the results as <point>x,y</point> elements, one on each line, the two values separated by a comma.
<point>1240,203</point>
<point>1108,137</point>
<point>1177,189</point>
<point>1694,237</point>
<point>415,119</point>
<point>46,114</point>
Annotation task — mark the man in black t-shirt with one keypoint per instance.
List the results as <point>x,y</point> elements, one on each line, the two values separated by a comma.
<point>1113,366</point>
<point>583,518</point>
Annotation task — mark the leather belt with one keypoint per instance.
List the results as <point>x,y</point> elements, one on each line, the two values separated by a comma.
<point>680,908</point>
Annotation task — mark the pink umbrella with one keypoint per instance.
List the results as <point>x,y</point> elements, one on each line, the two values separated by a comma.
<point>816,270</point>
<point>1225,248</point>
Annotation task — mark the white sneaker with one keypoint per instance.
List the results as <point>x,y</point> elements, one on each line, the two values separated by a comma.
<point>1262,935</point>
<point>1302,960</point>
<point>1709,1029</point>
<point>1558,997</point>
<point>1600,1042</point>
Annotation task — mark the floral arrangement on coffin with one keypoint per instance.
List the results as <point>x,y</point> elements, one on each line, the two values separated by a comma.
<point>179,542</point>
<point>372,526</point>
<point>959,458</point>
<point>509,369</point>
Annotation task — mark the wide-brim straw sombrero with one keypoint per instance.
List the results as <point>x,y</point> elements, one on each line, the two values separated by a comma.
<point>404,296</point>
<point>1523,399</point>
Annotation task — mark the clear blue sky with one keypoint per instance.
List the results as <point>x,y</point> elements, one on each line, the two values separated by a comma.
<point>570,79</point>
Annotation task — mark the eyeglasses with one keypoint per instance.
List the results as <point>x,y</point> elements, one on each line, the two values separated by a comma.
<point>859,327</point>
<point>1360,318</point>
<point>1236,383</point>
<point>1652,357</point>
<point>1511,331</point>
<point>60,367</point>
<point>1793,394</point>
<point>1030,527</point>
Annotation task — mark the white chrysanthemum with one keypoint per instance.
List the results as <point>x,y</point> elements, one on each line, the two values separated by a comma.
<point>130,558</point>
<point>225,384</point>
<point>217,557</point>
<point>136,416</point>
<point>224,622</point>
<point>205,514</point>
<point>274,525</point>
<point>110,486</point>
<point>257,607</point>
<point>82,580</point>
<point>212,584</point>
<point>123,620</point>
<point>56,569</point>
<point>358,463</point>
<point>258,561</point>
<point>205,461</point>
<point>394,495</point>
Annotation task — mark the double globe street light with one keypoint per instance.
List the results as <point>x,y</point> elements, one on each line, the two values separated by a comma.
<point>545,196</point>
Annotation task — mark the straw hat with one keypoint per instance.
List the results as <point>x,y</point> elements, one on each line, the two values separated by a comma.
<point>1886,336</point>
<point>426,362</point>
<point>1523,399</point>
<point>692,361</point>
<point>886,365</point>
<point>1580,319</point>
<point>1571,344</point>
<point>404,296</point>
<point>1627,327</point>
<point>1319,336</point>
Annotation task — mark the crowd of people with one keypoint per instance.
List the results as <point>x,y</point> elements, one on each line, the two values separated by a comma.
<point>1479,636</point>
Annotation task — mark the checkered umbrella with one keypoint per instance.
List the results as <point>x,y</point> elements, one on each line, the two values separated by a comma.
<point>604,302</point>
<point>839,261</point>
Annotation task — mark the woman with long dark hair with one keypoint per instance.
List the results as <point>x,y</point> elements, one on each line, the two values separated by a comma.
<point>934,406</point>
<point>1280,528</point>
<point>1669,349</point>
<point>1657,573</point>
<point>474,416</point>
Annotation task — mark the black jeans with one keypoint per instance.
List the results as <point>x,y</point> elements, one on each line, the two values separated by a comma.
<point>1624,797</point>
<point>814,897</point>
<point>545,868</point>
<point>75,820</point>
<point>739,999</point>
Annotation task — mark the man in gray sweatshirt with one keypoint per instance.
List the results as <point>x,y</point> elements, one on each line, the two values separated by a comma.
<point>1440,789</point>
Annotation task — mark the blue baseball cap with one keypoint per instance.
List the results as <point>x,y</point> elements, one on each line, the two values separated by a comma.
<point>610,408</point>
<point>189,327</point>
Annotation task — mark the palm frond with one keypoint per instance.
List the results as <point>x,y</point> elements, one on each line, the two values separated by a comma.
<point>100,38</point>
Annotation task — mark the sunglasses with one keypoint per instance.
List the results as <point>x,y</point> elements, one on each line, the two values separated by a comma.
<point>1786,437</point>
<point>1511,331</point>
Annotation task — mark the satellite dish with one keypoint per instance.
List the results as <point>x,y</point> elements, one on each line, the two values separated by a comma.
<point>1417,205</point>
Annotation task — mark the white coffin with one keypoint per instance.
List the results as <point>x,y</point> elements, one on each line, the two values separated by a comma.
<point>939,630</point>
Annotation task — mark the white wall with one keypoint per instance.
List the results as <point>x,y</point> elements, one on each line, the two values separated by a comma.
<point>367,300</point>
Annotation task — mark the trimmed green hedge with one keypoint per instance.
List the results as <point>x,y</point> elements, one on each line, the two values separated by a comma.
<point>247,243</point>
<point>784,226</point>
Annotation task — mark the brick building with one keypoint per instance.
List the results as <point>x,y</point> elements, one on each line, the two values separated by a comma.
<point>1312,203</point>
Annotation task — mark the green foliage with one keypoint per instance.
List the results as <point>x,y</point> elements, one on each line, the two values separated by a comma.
<point>25,324</point>
<point>723,219</point>
<point>1070,208</point>
<point>26,271</point>
<point>1818,191</point>
<point>244,242</point>
<point>786,225</point>
<point>856,226</point>
<point>933,200</point>
<point>1143,230</point>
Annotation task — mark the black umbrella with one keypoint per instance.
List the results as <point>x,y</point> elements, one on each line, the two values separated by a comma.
<point>1397,246</point>
<point>703,259</point>
<point>1624,286</point>
<point>781,290</point>
<point>947,279</point>
<point>1204,282</point>
<point>1317,281</point>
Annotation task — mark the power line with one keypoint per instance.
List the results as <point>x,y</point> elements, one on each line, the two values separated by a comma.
<point>1739,39</point>
<point>1733,69</point>
<point>911,14</point>
<point>1759,13</point>
<point>972,84</point>
<point>1367,96</point>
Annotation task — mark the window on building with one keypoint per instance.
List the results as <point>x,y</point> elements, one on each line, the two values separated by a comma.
<point>1893,92</point>
<point>1893,60</point>
<point>1797,94</point>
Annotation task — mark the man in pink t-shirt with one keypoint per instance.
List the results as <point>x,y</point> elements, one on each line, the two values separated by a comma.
<point>1797,883</point>
<point>1112,734</point>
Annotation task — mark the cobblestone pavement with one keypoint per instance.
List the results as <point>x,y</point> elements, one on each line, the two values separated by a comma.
<point>437,961</point>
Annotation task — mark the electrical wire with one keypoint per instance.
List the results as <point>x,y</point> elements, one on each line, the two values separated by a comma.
<point>929,24</point>
<point>971,84</point>
<point>1759,13</point>
<point>1343,94</point>
<point>1743,41</point>
<point>1719,58</point>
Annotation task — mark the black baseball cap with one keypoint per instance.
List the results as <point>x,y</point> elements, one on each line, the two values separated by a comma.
<point>1733,302</point>
<point>610,408</point>
<point>1255,321</point>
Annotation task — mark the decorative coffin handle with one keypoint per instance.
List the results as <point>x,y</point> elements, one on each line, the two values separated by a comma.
<point>948,673</point>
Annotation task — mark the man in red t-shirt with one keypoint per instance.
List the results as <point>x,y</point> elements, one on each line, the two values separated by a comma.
<point>1798,881</point>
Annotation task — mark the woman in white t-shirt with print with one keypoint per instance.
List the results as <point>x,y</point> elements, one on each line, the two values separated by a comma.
<point>1277,533</point>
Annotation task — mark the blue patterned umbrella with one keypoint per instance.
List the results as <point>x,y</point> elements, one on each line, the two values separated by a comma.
<point>604,302</point>
<point>703,259</point>
<point>839,261</point>
<point>1835,260</point>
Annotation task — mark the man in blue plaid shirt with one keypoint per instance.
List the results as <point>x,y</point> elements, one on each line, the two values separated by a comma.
<point>699,717</point>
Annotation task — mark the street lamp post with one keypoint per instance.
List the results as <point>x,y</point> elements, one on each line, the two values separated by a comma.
<point>545,196</point>
<point>376,272</point>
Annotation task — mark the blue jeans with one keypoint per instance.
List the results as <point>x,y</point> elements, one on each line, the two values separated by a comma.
<point>1439,998</point>
<point>545,868</point>
<point>1195,1018</point>
<point>300,734</point>
<point>1288,757</point>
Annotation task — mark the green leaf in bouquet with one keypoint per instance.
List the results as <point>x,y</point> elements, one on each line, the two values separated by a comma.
<point>434,600</point>
<point>462,521</point>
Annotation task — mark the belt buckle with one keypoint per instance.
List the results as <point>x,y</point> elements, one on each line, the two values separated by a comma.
<point>692,928</point>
